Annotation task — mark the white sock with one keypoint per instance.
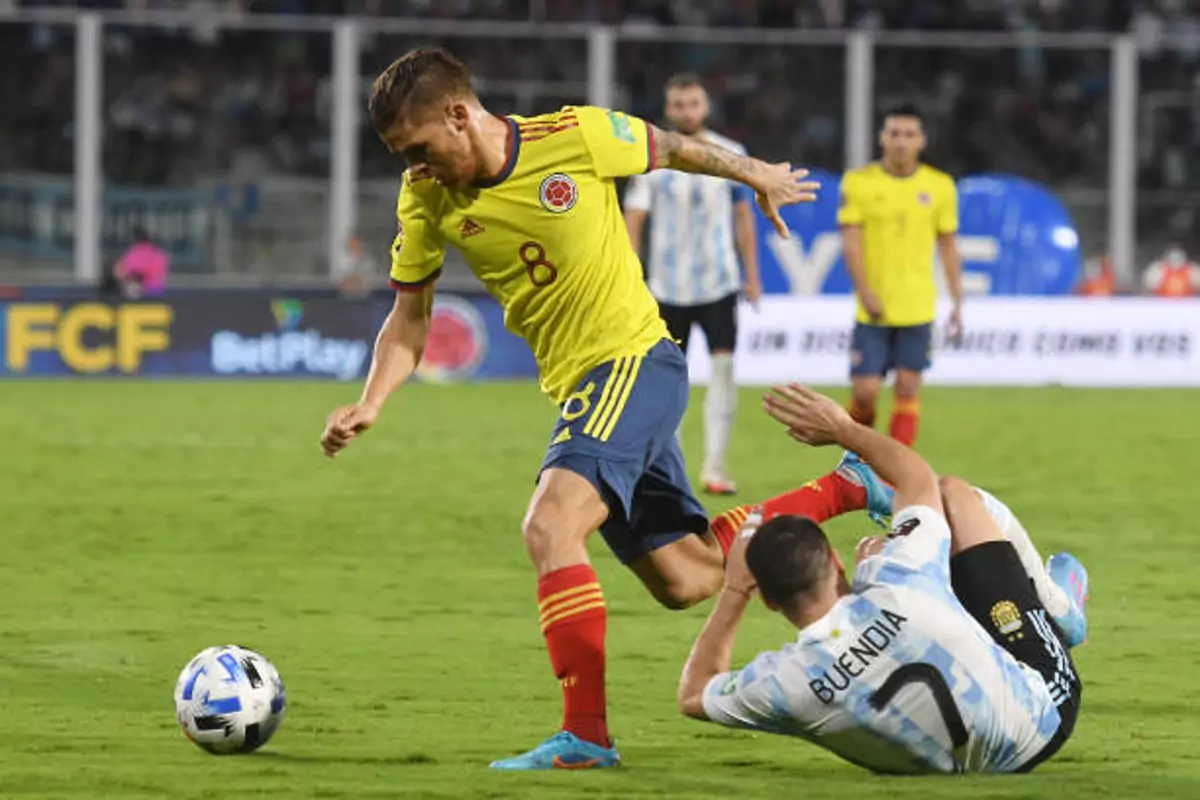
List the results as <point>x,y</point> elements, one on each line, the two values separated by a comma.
<point>1052,596</point>
<point>720,402</point>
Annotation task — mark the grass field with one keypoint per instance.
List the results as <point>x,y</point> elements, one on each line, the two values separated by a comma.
<point>143,521</point>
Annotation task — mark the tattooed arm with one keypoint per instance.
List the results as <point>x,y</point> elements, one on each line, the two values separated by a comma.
<point>776,185</point>
<point>673,150</point>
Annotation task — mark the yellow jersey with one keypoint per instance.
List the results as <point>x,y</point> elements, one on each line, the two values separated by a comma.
<point>901,219</point>
<point>547,239</point>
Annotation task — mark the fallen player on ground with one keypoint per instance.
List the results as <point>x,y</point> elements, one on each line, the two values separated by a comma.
<point>948,653</point>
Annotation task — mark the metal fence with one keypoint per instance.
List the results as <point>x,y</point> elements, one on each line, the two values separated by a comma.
<point>240,140</point>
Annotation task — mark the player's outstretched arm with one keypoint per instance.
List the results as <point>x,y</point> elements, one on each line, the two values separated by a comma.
<point>398,349</point>
<point>712,654</point>
<point>776,185</point>
<point>814,419</point>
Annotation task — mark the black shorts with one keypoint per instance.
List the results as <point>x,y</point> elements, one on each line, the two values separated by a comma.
<point>717,319</point>
<point>993,586</point>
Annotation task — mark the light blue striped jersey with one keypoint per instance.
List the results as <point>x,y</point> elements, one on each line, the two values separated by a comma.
<point>864,680</point>
<point>692,259</point>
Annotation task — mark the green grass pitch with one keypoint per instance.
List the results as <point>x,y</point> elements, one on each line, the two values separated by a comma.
<point>143,521</point>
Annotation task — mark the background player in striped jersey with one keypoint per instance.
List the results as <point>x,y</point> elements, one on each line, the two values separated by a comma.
<point>942,656</point>
<point>892,214</point>
<point>531,204</point>
<point>696,223</point>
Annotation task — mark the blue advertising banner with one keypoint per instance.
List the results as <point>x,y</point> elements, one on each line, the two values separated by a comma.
<point>1015,237</point>
<point>249,334</point>
<point>232,335</point>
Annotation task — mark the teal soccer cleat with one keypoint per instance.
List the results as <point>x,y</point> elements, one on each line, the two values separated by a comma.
<point>1069,574</point>
<point>879,494</point>
<point>563,750</point>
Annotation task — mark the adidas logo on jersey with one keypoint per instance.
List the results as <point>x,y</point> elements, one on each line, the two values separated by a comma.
<point>469,228</point>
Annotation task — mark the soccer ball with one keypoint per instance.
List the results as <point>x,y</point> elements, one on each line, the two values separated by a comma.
<point>229,700</point>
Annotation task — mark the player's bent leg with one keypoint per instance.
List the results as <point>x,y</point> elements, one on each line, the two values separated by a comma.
<point>852,486</point>
<point>990,582</point>
<point>565,508</point>
<point>683,573</point>
<point>969,520</point>
<point>655,540</point>
<point>1061,584</point>
<point>1052,596</point>
<point>620,419</point>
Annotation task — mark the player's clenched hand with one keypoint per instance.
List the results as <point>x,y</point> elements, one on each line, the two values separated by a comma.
<point>810,417</point>
<point>344,424</point>
<point>778,185</point>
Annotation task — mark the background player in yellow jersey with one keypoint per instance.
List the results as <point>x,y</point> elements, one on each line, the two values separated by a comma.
<point>892,214</point>
<point>532,205</point>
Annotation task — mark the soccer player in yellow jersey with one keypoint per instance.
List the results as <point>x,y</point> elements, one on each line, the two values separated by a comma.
<point>892,214</point>
<point>532,205</point>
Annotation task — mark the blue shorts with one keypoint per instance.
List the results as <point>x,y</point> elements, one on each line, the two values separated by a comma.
<point>617,430</point>
<point>879,349</point>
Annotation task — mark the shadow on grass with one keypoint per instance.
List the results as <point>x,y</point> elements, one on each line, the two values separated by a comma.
<point>402,760</point>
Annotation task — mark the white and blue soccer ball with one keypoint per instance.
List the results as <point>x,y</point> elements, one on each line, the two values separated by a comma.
<point>229,700</point>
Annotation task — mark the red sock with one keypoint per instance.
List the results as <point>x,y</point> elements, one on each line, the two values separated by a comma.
<point>819,500</point>
<point>862,414</point>
<point>905,416</point>
<point>574,621</point>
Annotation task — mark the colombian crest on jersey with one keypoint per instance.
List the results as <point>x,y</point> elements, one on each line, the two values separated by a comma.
<point>558,193</point>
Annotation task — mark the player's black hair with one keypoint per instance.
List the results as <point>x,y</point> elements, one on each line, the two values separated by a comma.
<point>415,79</point>
<point>904,110</point>
<point>140,234</point>
<point>683,80</point>
<point>788,556</point>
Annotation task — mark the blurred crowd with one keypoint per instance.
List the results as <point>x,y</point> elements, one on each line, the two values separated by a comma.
<point>1039,112</point>
<point>956,15</point>
<point>186,103</point>
<point>1109,15</point>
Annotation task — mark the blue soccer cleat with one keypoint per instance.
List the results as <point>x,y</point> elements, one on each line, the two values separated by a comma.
<point>563,750</point>
<point>879,494</point>
<point>1069,575</point>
